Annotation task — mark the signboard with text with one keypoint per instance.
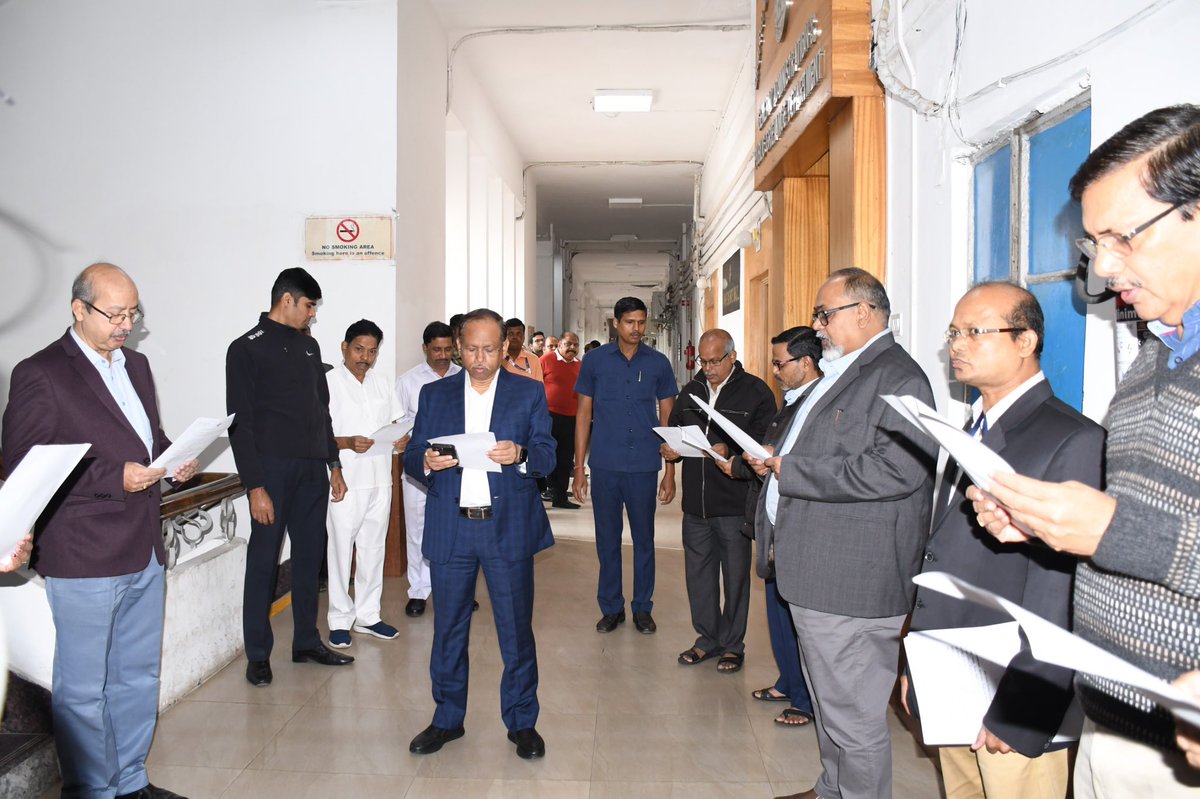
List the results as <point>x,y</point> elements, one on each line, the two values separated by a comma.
<point>348,238</point>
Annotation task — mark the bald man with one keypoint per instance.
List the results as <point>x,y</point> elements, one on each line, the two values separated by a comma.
<point>99,543</point>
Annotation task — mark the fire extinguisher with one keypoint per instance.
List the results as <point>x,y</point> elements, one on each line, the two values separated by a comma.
<point>690,352</point>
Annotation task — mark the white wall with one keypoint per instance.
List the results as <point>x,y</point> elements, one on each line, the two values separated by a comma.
<point>1145,66</point>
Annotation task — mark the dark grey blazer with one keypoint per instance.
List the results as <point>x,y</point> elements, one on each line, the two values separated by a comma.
<point>1044,438</point>
<point>855,493</point>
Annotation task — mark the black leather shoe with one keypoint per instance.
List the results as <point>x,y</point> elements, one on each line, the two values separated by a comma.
<point>319,654</point>
<point>565,503</point>
<point>529,744</point>
<point>644,623</point>
<point>432,738</point>
<point>153,791</point>
<point>258,673</point>
<point>414,608</point>
<point>609,621</point>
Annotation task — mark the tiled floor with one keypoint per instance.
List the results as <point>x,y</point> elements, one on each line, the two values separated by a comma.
<point>620,717</point>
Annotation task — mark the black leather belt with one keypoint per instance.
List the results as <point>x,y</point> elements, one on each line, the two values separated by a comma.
<point>481,512</point>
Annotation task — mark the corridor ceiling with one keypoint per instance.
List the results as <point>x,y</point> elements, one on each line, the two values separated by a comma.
<point>540,86</point>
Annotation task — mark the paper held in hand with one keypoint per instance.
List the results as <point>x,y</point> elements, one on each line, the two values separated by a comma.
<point>1050,643</point>
<point>30,487</point>
<point>740,437</point>
<point>472,450</point>
<point>188,446</point>
<point>689,441</point>
<point>385,438</point>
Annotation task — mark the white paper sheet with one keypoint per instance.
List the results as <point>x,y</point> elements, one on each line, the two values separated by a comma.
<point>689,441</point>
<point>956,673</point>
<point>472,449</point>
<point>385,438</point>
<point>188,446</point>
<point>739,435</point>
<point>1052,644</point>
<point>30,487</point>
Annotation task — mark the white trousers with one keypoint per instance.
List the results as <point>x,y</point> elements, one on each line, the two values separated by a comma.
<point>357,533</point>
<point>1110,766</point>
<point>419,586</point>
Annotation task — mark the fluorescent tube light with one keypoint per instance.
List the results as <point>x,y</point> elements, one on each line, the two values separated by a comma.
<point>617,101</point>
<point>624,202</point>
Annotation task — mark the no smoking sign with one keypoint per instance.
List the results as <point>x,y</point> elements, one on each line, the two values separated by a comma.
<point>362,237</point>
<point>347,230</point>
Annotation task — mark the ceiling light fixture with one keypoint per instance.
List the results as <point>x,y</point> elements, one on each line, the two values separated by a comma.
<point>624,202</point>
<point>618,101</point>
<point>623,237</point>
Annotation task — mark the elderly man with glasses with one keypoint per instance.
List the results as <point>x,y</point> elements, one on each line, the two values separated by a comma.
<point>1137,583</point>
<point>848,500</point>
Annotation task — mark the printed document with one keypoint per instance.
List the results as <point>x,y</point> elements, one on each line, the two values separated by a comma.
<point>740,436</point>
<point>385,438</point>
<point>689,441</point>
<point>30,487</point>
<point>472,449</point>
<point>188,446</point>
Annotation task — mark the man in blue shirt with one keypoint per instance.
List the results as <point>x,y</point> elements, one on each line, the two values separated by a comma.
<point>625,390</point>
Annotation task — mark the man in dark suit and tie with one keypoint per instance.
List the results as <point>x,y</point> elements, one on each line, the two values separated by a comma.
<point>99,542</point>
<point>849,499</point>
<point>477,518</point>
<point>995,341</point>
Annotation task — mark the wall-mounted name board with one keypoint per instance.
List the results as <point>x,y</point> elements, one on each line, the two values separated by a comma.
<point>823,56</point>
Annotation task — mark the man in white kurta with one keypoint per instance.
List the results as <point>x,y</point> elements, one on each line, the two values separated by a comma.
<point>360,403</point>
<point>438,346</point>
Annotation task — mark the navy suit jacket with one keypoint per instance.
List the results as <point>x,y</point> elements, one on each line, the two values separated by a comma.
<point>519,414</point>
<point>91,528</point>
<point>1040,437</point>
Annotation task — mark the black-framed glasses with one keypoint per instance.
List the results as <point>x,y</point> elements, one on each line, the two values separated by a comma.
<point>714,362</point>
<point>823,316</point>
<point>781,364</point>
<point>1119,245</point>
<point>117,319</point>
<point>971,332</point>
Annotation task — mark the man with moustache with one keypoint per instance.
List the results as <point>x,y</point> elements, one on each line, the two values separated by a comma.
<point>517,358</point>
<point>560,370</point>
<point>716,555</point>
<point>1137,582</point>
<point>795,354</point>
<point>282,441</point>
<point>849,498</point>
<point>360,402</point>
<point>995,341</point>
<point>628,389</point>
<point>437,343</point>
<point>475,518</point>
<point>99,542</point>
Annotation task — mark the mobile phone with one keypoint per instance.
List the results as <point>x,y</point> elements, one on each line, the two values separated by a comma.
<point>445,449</point>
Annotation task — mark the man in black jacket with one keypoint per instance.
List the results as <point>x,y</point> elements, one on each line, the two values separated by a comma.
<point>715,550</point>
<point>282,440</point>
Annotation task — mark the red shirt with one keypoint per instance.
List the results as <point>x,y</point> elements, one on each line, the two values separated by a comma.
<point>559,377</point>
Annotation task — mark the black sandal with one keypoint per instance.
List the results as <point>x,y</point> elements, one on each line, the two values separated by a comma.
<point>793,717</point>
<point>730,662</point>
<point>690,657</point>
<point>765,695</point>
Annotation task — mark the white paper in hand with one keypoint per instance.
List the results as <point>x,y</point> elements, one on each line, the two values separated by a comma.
<point>188,446</point>
<point>385,438</point>
<point>689,441</point>
<point>31,486</point>
<point>472,450</point>
<point>740,436</point>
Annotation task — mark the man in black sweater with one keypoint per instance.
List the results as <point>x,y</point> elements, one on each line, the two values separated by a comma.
<point>282,440</point>
<point>714,505</point>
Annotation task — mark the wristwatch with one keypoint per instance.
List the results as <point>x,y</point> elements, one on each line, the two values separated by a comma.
<point>523,455</point>
<point>334,464</point>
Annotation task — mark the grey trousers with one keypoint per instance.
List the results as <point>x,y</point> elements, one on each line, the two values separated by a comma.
<point>850,666</point>
<point>716,555</point>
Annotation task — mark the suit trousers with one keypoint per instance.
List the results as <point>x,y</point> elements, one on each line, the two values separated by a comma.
<point>510,591</point>
<point>983,775</point>
<point>563,429</point>
<point>786,649</point>
<point>414,530</point>
<point>716,556</point>
<point>358,528</point>
<point>108,647</point>
<point>1111,766</point>
<point>637,493</point>
<point>299,489</point>
<point>850,666</point>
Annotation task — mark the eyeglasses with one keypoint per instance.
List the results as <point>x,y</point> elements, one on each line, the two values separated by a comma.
<point>705,364</point>
<point>823,316</point>
<point>1117,244</point>
<point>971,332</point>
<point>781,364</point>
<point>116,319</point>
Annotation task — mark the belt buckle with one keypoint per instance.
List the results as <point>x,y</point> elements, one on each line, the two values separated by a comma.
<point>477,514</point>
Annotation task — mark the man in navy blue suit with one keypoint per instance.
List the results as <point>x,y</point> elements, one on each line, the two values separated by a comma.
<point>475,518</point>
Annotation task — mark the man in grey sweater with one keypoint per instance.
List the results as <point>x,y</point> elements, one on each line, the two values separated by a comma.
<point>1137,591</point>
